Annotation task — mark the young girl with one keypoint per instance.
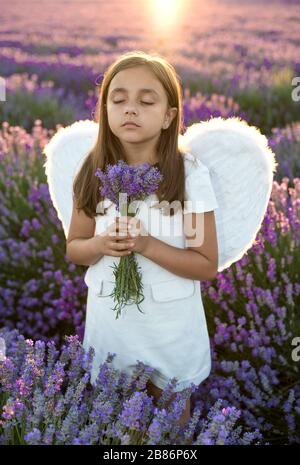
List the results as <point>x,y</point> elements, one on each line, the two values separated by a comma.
<point>171,334</point>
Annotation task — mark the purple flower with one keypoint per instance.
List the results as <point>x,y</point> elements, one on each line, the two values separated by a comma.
<point>137,182</point>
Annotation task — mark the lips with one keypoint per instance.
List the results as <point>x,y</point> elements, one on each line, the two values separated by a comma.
<point>130,124</point>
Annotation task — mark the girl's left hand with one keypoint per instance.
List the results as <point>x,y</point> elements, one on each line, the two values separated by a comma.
<point>136,231</point>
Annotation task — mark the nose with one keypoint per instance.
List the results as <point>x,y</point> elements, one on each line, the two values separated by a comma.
<point>129,111</point>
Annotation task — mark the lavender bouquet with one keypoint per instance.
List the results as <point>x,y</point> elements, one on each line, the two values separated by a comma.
<point>122,182</point>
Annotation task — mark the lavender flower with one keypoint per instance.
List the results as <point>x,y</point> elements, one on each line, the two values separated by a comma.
<point>116,410</point>
<point>136,183</point>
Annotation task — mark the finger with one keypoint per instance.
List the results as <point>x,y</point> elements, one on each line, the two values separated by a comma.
<point>122,253</point>
<point>123,231</point>
<point>119,228</point>
<point>133,231</point>
<point>119,249</point>
<point>118,224</point>
<point>118,245</point>
<point>123,245</point>
<point>122,234</point>
<point>113,229</point>
<point>127,221</point>
<point>117,236</point>
<point>122,220</point>
<point>119,253</point>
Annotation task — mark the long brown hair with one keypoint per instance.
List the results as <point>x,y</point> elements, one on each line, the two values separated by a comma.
<point>108,149</point>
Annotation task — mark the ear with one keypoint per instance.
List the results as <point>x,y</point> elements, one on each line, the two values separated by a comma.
<point>170,115</point>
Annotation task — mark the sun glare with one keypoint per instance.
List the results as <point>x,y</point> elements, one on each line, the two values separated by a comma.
<point>166,14</point>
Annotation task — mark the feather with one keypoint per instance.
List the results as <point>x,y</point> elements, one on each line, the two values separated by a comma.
<point>241,167</point>
<point>65,153</point>
<point>238,158</point>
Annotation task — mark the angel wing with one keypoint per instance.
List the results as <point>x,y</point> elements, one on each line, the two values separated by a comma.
<point>240,163</point>
<point>65,153</point>
<point>241,167</point>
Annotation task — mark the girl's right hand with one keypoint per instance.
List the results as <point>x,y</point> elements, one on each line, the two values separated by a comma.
<point>116,240</point>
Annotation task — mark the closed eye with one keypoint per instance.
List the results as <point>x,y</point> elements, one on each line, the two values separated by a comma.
<point>146,103</point>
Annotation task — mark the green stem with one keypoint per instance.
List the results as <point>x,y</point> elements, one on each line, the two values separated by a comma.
<point>19,437</point>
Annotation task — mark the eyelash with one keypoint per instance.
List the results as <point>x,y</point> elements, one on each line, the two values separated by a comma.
<point>146,103</point>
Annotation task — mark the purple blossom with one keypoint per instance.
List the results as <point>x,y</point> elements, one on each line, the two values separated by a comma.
<point>60,406</point>
<point>136,181</point>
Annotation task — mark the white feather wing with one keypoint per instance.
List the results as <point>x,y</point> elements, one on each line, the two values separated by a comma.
<point>65,154</point>
<point>241,167</point>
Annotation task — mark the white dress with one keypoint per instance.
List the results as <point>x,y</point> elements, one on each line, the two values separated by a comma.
<point>171,335</point>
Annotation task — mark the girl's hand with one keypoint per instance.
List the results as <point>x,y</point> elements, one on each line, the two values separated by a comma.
<point>114,241</point>
<point>130,230</point>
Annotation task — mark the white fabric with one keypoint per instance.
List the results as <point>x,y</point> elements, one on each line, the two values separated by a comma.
<point>233,176</point>
<point>65,153</point>
<point>199,192</point>
<point>200,195</point>
<point>240,165</point>
<point>171,336</point>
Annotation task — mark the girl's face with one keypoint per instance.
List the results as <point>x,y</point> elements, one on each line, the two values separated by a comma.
<point>147,108</point>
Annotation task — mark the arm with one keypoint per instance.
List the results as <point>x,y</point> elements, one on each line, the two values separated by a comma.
<point>83,251</point>
<point>82,246</point>
<point>197,263</point>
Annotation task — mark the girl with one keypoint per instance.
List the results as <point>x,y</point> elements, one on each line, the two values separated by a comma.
<point>171,335</point>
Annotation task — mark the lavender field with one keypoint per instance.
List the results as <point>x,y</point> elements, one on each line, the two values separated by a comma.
<point>234,59</point>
